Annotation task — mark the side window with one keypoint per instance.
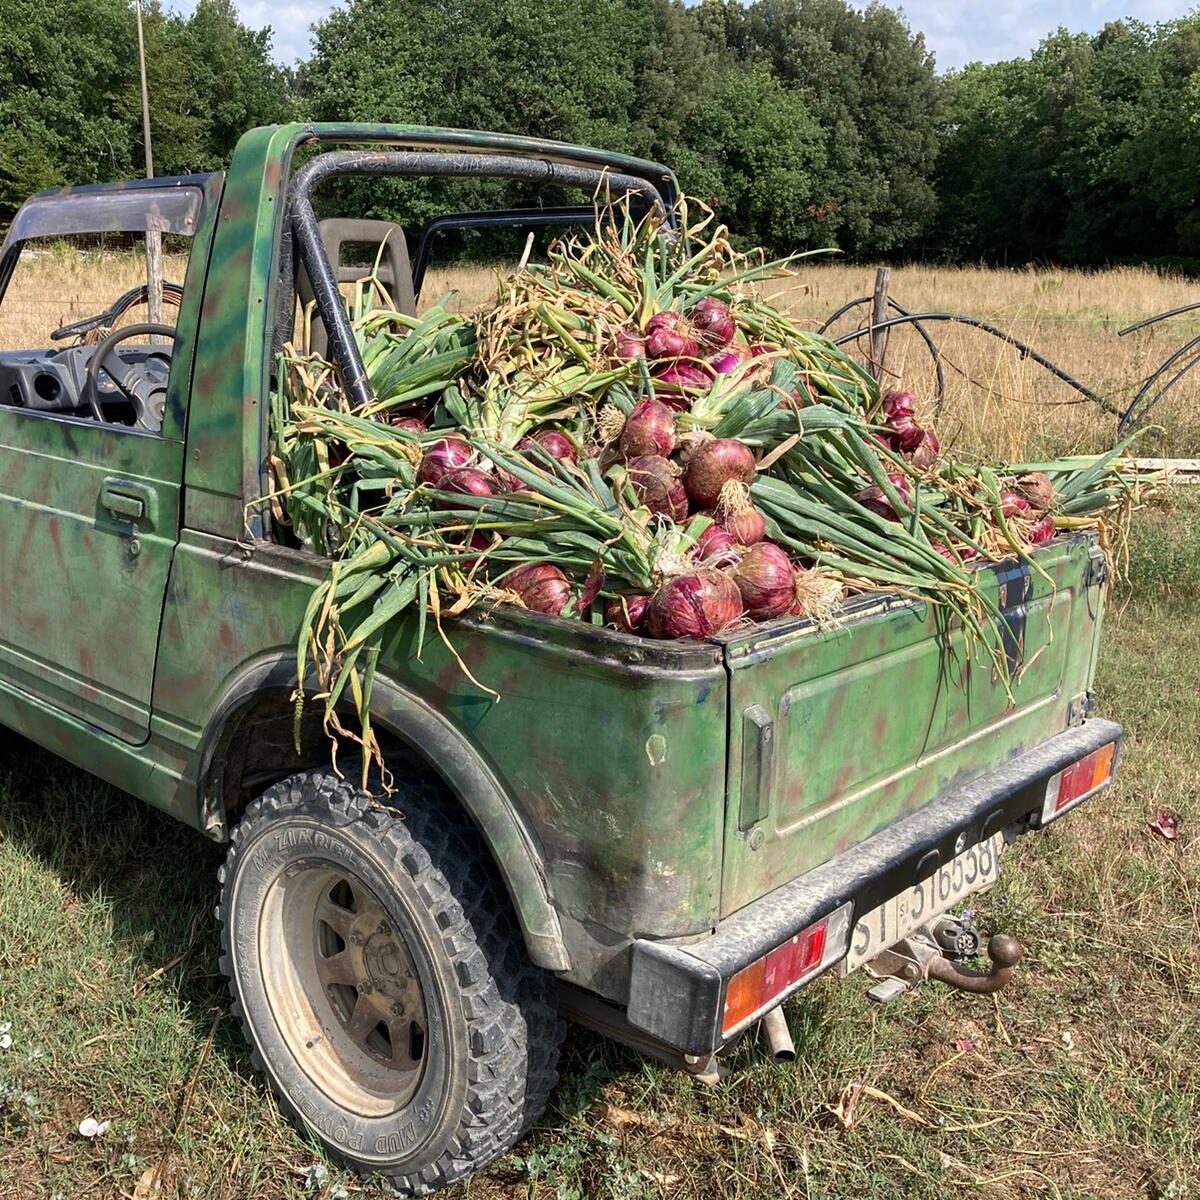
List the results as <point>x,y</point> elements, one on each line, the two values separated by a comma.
<point>78,337</point>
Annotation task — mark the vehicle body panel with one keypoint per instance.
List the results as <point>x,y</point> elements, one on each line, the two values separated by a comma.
<point>872,718</point>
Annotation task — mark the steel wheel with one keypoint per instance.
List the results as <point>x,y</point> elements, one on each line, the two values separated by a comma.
<point>377,969</point>
<point>343,989</point>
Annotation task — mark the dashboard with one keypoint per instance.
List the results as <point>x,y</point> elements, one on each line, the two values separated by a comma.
<point>54,381</point>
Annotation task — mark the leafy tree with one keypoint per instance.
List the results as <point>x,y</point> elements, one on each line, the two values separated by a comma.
<point>756,155</point>
<point>70,107</point>
<point>869,83</point>
<point>1085,152</point>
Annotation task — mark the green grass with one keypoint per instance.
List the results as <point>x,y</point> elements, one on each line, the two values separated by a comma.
<point>1083,1080</point>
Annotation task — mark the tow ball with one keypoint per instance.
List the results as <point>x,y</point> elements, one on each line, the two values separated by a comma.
<point>935,952</point>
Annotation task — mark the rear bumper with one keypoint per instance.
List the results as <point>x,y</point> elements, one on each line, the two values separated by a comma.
<point>677,992</point>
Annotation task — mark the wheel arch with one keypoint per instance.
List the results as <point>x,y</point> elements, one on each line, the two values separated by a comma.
<point>432,740</point>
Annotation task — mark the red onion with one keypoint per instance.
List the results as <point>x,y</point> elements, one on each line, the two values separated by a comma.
<point>667,319</point>
<point>469,481</point>
<point>411,425</point>
<point>695,605</point>
<point>683,377</point>
<point>713,323</point>
<point>1043,530</point>
<point>716,547</point>
<point>1037,489</point>
<point>542,587</point>
<point>927,453</point>
<point>664,343</point>
<point>445,455</point>
<point>656,485</point>
<point>907,433</point>
<point>1013,504</point>
<point>730,359</point>
<point>712,465</point>
<point>747,526</point>
<point>757,349</point>
<point>766,580</point>
<point>555,443</point>
<point>874,498</point>
<point>627,613</point>
<point>649,429</point>
<point>630,347</point>
<point>897,404</point>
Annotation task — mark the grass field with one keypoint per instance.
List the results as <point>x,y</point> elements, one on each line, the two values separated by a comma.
<point>1081,1080</point>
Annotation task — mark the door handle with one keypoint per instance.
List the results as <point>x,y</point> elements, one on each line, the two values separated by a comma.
<point>127,500</point>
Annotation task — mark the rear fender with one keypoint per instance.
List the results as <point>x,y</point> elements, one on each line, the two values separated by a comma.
<point>415,723</point>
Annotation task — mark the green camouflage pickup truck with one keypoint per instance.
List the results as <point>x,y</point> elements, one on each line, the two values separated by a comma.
<point>660,840</point>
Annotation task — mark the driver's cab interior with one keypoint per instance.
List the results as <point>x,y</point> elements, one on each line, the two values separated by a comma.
<point>81,337</point>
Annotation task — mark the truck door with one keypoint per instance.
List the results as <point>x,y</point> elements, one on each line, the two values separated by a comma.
<point>92,444</point>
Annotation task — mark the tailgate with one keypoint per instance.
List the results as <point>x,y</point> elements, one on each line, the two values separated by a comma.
<point>837,733</point>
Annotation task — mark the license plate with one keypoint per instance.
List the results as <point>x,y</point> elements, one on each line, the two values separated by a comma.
<point>976,868</point>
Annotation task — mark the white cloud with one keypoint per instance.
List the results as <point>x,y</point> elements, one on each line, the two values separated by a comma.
<point>990,30</point>
<point>290,23</point>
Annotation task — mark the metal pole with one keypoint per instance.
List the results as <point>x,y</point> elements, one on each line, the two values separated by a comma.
<point>879,315</point>
<point>154,263</point>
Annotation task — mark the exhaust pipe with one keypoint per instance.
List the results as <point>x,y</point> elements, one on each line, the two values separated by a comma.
<point>775,1029</point>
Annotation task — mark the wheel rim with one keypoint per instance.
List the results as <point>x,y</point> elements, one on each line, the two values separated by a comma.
<point>343,988</point>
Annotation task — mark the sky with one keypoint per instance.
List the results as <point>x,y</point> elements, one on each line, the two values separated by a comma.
<point>957,31</point>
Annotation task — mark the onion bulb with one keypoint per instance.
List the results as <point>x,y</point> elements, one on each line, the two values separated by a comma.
<point>713,464</point>
<point>766,580</point>
<point>694,605</point>
<point>713,323</point>
<point>541,587</point>
<point>443,456</point>
<point>649,429</point>
<point>627,613</point>
<point>656,485</point>
<point>469,481</point>
<point>1037,489</point>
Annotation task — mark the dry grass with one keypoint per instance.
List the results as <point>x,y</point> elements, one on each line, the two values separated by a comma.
<point>997,403</point>
<point>61,286</point>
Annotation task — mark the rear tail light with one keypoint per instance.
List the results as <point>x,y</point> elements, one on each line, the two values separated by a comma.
<point>767,980</point>
<point>1078,782</point>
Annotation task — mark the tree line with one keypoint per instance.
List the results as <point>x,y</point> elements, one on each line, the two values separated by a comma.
<point>804,123</point>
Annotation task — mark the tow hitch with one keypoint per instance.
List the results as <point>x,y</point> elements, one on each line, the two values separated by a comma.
<point>935,952</point>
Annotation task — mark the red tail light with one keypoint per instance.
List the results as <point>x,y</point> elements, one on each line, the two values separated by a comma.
<point>765,981</point>
<point>1078,781</point>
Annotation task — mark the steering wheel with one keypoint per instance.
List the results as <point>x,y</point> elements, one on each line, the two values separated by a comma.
<point>127,375</point>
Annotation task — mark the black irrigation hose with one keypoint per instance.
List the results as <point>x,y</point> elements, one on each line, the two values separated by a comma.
<point>1162,316</point>
<point>1142,406</point>
<point>1024,350</point>
<point>1143,402</point>
<point>904,312</point>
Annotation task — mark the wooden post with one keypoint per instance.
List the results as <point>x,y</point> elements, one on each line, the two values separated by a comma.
<point>154,263</point>
<point>879,314</point>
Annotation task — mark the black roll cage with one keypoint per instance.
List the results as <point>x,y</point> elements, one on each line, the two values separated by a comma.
<point>304,231</point>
